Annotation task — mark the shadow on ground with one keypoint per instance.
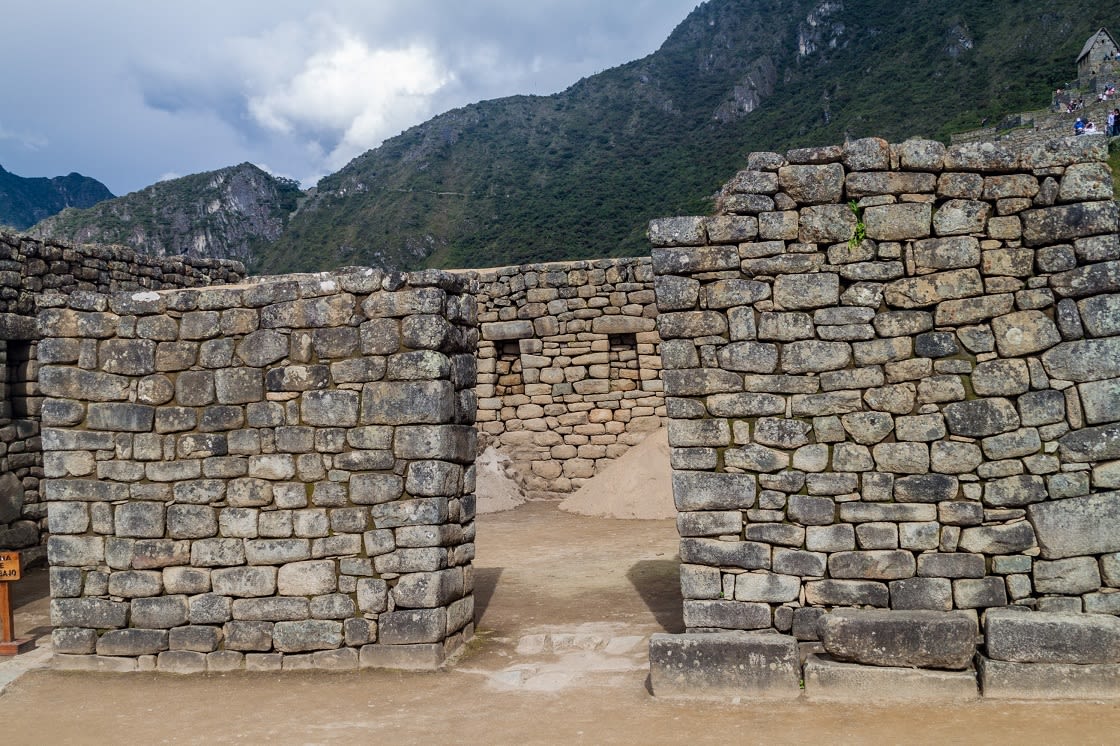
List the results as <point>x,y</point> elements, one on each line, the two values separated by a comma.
<point>485,582</point>
<point>658,583</point>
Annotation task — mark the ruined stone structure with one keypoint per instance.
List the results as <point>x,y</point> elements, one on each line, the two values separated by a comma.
<point>909,402</point>
<point>30,270</point>
<point>274,474</point>
<point>569,366</point>
<point>890,374</point>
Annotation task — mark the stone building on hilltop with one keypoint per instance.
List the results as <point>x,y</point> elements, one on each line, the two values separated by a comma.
<point>1099,61</point>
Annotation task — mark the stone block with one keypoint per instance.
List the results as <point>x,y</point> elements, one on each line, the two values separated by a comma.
<point>307,635</point>
<point>413,657</point>
<point>877,564</point>
<point>132,642</point>
<point>1077,526</point>
<point>911,594</point>
<point>979,593</point>
<point>413,626</point>
<point>724,665</point>
<point>1048,681</point>
<point>913,639</point>
<point>1042,637</point>
<point>831,680</point>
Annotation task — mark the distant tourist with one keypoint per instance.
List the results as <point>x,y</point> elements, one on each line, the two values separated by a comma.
<point>1115,123</point>
<point>1090,128</point>
<point>1079,127</point>
<point>1110,124</point>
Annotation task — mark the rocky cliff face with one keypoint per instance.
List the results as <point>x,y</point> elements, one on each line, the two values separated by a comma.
<point>220,214</point>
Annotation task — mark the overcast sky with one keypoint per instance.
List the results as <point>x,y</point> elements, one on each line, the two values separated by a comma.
<point>131,92</point>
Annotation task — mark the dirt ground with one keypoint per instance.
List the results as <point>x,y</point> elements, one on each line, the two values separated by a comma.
<point>565,606</point>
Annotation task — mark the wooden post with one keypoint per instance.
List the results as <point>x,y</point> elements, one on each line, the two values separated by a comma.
<point>9,644</point>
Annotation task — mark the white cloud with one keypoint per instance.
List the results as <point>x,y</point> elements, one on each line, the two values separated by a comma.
<point>27,140</point>
<point>348,97</point>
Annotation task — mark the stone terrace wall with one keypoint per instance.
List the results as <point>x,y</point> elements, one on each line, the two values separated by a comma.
<point>569,366</point>
<point>262,476</point>
<point>926,419</point>
<point>30,268</point>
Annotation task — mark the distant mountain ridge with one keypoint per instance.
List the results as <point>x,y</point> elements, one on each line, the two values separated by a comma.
<point>25,201</point>
<point>578,174</point>
<point>221,214</point>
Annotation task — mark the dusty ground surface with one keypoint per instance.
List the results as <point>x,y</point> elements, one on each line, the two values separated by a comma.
<point>566,604</point>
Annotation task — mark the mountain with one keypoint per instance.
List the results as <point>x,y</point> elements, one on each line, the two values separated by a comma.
<point>223,214</point>
<point>578,174</point>
<point>26,201</point>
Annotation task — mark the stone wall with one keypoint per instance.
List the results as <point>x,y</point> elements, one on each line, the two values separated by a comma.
<point>30,269</point>
<point>569,366</point>
<point>924,419</point>
<point>260,476</point>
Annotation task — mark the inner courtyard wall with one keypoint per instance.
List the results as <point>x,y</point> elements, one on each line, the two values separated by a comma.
<point>569,367</point>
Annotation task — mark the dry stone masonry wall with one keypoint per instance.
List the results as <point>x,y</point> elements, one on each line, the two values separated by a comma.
<point>30,269</point>
<point>569,366</point>
<point>924,419</point>
<point>268,475</point>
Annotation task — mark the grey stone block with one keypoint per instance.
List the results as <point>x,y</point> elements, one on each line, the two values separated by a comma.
<point>726,615</point>
<point>699,491</point>
<point>979,593</point>
<point>132,642</point>
<point>415,657</point>
<point>413,626</point>
<point>933,594</point>
<point>201,639</point>
<point>847,593</point>
<point>827,679</point>
<point>1044,637</point>
<point>748,555</point>
<point>1072,576</point>
<point>160,612</point>
<point>88,612</point>
<point>311,634</point>
<point>881,564</point>
<point>911,639</point>
<point>248,636</point>
<point>1077,526</point>
<point>725,665</point>
<point>181,662</point>
<point>270,609</point>
<point>1048,681</point>
<point>74,640</point>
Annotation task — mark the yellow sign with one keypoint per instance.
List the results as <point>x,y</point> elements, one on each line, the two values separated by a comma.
<point>9,566</point>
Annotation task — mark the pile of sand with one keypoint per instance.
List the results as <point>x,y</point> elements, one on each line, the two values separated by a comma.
<point>638,485</point>
<point>496,491</point>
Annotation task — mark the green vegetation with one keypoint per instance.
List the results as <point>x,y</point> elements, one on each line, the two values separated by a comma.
<point>860,231</point>
<point>579,174</point>
<point>26,201</point>
<point>230,213</point>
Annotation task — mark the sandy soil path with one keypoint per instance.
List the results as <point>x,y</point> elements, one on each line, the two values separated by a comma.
<point>566,604</point>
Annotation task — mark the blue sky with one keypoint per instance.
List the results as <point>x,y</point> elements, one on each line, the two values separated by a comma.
<point>133,92</point>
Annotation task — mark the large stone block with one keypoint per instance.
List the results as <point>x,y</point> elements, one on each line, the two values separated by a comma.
<point>708,491</point>
<point>831,680</point>
<point>1077,526</point>
<point>1048,681</point>
<point>1042,637</point>
<point>725,665</point>
<point>915,639</point>
<point>310,634</point>
<point>413,626</point>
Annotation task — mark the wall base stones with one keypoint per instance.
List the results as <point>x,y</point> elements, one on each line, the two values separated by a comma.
<point>724,665</point>
<point>829,680</point>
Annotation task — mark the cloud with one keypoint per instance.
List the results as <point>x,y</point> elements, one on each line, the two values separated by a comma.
<point>349,97</point>
<point>28,140</point>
